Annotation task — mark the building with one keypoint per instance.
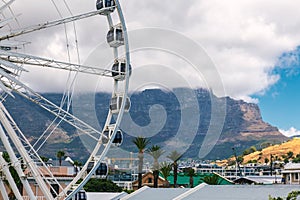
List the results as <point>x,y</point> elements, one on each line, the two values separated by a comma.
<point>258,180</point>
<point>184,180</point>
<point>205,192</point>
<point>291,173</point>
<point>148,180</point>
<point>64,174</point>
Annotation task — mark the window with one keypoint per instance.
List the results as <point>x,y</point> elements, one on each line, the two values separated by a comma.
<point>296,176</point>
<point>119,34</point>
<point>149,180</point>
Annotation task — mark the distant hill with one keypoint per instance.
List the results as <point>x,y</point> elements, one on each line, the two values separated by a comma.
<point>243,126</point>
<point>277,151</point>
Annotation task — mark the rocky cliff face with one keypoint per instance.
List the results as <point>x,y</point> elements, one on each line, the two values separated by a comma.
<point>243,125</point>
<point>254,126</point>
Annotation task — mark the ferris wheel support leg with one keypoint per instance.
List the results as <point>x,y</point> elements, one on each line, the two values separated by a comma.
<point>9,179</point>
<point>3,190</point>
<point>32,166</point>
<point>16,163</point>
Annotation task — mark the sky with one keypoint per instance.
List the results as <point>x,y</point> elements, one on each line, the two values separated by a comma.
<point>252,43</point>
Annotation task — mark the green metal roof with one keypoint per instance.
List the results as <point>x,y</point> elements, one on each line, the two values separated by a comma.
<point>183,179</point>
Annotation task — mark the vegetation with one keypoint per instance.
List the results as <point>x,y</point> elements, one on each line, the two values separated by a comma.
<point>296,159</point>
<point>191,173</point>
<point>44,159</point>
<point>13,172</point>
<point>249,150</point>
<point>77,164</point>
<point>267,160</point>
<point>155,151</point>
<point>212,180</point>
<point>174,156</point>
<point>291,196</point>
<point>101,185</point>
<point>286,152</point>
<point>141,143</point>
<point>165,169</point>
<point>60,155</point>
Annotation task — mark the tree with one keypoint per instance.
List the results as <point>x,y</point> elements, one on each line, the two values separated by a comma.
<point>174,156</point>
<point>60,155</point>
<point>13,172</point>
<point>290,154</point>
<point>77,164</point>
<point>44,159</point>
<point>267,160</point>
<point>191,173</point>
<point>165,169</point>
<point>155,151</point>
<point>212,180</point>
<point>101,185</point>
<point>296,159</point>
<point>141,143</point>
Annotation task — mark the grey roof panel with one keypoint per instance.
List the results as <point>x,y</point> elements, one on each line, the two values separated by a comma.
<point>241,192</point>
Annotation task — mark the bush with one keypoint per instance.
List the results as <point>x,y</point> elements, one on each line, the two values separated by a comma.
<point>101,185</point>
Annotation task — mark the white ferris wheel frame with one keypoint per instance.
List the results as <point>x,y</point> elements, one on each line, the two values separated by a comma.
<point>17,86</point>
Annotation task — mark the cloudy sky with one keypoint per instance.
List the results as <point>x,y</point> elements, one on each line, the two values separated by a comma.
<point>252,43</point>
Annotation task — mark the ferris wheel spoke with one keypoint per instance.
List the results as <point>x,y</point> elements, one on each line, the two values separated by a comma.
<point>49,24</point>
<point>6,5</point>
<point>17,136</point>
<point>12,64</point>
<point>12,57</point>
<point>28,93</point>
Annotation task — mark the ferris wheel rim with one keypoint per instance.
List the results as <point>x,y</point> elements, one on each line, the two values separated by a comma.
<point>109,115</point>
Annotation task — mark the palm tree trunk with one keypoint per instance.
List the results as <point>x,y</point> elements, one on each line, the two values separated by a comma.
<point>155,172</point>
<point>175,167</point>
<point>140,169</point>
<point>191,181</point>
<point>155,176</point>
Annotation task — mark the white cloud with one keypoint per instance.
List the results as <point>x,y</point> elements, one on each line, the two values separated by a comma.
<point>291,132</point>
<point>244,38</point>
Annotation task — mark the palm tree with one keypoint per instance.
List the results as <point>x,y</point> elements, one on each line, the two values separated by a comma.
<point>141,143</point>
<point>155,151</point>
<point>60,155</point>
<point>191,174</point>
<point>212,180</point>
<point>165,169</point>
<point>44,159</point>
<point>77,164</point>
<point>174,156</point>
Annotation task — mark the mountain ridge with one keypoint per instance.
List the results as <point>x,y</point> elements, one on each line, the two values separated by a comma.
<point>243,126</point>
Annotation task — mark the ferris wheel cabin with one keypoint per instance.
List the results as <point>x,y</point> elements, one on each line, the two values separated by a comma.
<point>105,6</point>
<point>101,171</point>
<point>80,195</point>
<point>116,102</point>
<point>115,36</point>
<point>119,70</point>
<point>117,140</point>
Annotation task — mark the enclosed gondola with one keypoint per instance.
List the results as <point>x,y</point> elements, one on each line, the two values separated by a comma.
<point>117,140</point>
<point>102,170</point>
<point>80,195</point>
<point>90,167</point>
<point>105,6</point>
<point>116,102</point>
<point>119,70</point>
<point>115,36</point>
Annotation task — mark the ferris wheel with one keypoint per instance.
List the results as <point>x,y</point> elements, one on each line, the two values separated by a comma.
<point>14,63</point>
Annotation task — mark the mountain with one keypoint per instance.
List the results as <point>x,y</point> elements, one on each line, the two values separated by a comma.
<point>159,114</point>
